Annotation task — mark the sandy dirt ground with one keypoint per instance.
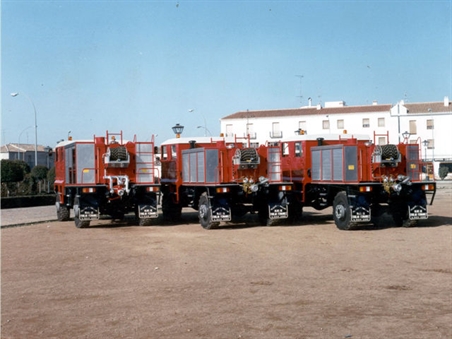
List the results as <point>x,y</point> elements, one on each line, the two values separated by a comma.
<point>115,280</point>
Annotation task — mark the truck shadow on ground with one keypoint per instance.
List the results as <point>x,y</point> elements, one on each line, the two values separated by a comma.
<point>251,220</point>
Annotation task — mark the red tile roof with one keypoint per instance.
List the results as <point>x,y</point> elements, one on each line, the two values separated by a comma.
<point>309,111</point>
<point>424,107</point>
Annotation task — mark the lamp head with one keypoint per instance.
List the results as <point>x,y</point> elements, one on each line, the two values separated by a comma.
<point>178,129</point>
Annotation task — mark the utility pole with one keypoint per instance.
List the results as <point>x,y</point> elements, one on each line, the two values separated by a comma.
<point>301,93</point>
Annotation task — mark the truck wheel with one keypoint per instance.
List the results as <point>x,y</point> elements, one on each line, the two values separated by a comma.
<point>295,212</point>
<point>79,223</point>
<point>399,214</point>
<point>144,221</point>
<point>341,211</point>
<point>205,213</point>
<point>267,222</point>
<point>62,211</point>
<point>264,220</point>
<point>377,212</point>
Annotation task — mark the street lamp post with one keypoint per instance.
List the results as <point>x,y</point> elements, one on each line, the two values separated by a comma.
<point>36,125</point>
<point>48,150</point>
<point>18,146</point>
<point>425,142</point>
<point>205,125</point>
<point>205,130</point>
<point>405,136</point>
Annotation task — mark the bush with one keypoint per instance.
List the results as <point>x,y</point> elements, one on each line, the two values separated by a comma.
<point>12,170</point>
<point>27,186</point>
<point>51,177</point>
<point>39,172</point>
<point>443,172</point>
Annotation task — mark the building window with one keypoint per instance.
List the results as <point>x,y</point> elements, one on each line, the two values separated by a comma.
<point>431,144</point>
<point>366,123</point>
<point>276,131</point>
<point>413,129</point>
<point>302,125</point>
<point>381,122</point>
<point>250,131</point>
<point>229,130</point>
<point>326,124</point>
<point>340,124</point>
<point>382,140</point>
<point>430,124</point>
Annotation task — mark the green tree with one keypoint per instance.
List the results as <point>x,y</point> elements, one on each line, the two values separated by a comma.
<point>12,171</point>
<point>51,177</point>
<point>39,173</point>
<point>25,167</point>
<point>27,186</point>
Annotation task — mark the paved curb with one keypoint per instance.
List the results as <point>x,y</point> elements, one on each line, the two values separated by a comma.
<point>27,223</point>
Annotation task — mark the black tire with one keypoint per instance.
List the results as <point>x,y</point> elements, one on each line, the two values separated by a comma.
<point>118,153</point>
<point>205,213</point>
<point>144,221</point>
<point>295,212</point>
<point>267,221</point>
<point>389,152</point>
<point>341,212</point>
<point>63,212</point>
<point>264,220</point>
<point>376,217</point>
<point>399,214</point>
<point>79,223</point>
<point>249,155</point>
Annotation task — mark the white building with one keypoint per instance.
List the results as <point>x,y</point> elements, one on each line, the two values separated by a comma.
<point>428,123</point>
<point>26,152</point>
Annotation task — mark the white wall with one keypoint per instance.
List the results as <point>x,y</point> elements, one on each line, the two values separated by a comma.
<point>395,120</point>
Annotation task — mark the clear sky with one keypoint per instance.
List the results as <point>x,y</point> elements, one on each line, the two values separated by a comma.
<point>140,66</point>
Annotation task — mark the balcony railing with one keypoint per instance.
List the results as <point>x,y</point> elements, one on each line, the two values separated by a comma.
<point>252,135</point>
<point>275,135</point>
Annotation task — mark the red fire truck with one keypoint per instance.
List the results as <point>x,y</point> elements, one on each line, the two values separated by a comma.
<point>105,176</point>
<point>359,179</point>
<point>223,180</point>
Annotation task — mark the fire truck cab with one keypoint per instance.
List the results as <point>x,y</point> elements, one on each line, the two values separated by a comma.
<point>223,179</point>
<point>359,179</point>
<point>105,176</point>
